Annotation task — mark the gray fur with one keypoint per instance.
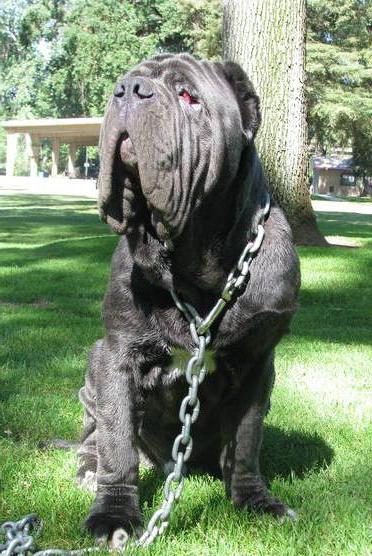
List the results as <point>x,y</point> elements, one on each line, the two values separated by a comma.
<point>185,189</point>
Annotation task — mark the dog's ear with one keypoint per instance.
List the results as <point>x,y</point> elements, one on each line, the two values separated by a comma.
<point>248,101</point>
<point>116,202</point>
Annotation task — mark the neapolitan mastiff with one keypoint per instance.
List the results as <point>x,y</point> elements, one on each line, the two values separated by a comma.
<point>181,180</point>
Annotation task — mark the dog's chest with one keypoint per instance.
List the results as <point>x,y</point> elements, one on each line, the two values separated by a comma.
<point>181,357</point>
<point>164,397</point>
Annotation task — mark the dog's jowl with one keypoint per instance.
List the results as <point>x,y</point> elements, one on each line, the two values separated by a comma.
<point>181,181</point>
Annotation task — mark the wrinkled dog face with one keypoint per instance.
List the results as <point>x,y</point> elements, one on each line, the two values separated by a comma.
<point>173,132</point>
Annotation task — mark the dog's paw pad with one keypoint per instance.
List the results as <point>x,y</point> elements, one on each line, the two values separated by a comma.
<point>118,539</point>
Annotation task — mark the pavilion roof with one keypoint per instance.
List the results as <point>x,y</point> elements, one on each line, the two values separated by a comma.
<point>84,130</point>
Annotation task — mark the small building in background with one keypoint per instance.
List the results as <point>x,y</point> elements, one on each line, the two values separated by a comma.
<point>74,132</point>
<point>334,176</point>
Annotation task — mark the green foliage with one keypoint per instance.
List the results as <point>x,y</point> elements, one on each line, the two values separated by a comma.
<point>66,55</point>
<point>2,151</point>
<point>123,34</point>
<point>362,153</point>
<point>29,31</point>
<point>339,75</point>
<point>22,164</point>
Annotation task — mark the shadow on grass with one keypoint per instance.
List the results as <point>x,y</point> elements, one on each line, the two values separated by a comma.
<point>37,219</point>
<point>284,455</point>
<point>348,224</point>
<point>295,453</point>
<point>335,296</point>
<point>70,268</point>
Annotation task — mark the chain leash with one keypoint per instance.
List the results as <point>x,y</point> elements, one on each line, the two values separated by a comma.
<point>19,539</point>
<point>182,446</point>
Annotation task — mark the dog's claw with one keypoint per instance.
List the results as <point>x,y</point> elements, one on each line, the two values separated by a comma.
<point>292,514</point>
<point>119,539</point>
<point>289,515</point>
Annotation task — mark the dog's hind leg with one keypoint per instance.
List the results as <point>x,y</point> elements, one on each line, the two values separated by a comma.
<point>242,431</point>
<point>87,453</point>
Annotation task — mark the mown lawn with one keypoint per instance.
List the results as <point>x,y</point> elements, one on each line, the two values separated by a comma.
<point>55,258</point>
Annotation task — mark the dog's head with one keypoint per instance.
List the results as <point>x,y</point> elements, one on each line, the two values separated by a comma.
<point>174,132</point>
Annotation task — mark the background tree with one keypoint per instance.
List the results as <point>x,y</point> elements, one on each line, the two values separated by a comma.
<point>267,39</point>
<point>62,57</point>
<point>339,77</point>
<point>362,153</point>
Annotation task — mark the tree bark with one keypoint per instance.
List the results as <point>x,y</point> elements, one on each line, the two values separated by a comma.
<point>266,37</point>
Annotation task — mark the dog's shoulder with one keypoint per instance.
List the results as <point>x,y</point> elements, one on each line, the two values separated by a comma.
<point>275,272</point>
<point>264,310</point>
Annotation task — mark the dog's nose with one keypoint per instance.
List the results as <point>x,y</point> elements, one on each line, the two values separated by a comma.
<point>137,88</point>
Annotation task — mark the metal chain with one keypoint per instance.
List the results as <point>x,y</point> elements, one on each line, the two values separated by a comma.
<point>239,275</point>
<point>182,447</point>
<point>20,539</point>
<point>18,534</point>
<point>195,373</point>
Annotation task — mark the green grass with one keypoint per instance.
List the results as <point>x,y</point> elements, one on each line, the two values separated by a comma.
<point>55,259</point>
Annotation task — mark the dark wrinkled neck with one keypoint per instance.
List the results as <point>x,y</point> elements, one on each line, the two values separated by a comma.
<point>219,230</point>
<point>210,245</point>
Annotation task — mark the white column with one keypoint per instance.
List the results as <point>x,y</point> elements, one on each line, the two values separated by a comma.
<point>55,157</point>
<point>33,151</point>
<point>11,152</point>
<point>71,160</point>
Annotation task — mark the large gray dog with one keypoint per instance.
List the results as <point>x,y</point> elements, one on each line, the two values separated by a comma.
<point>180,179</point>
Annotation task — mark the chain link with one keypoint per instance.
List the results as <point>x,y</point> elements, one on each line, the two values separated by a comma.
<point>20,539</point>
<point>182,447</point>
<point>237,277</point>
<point>18,534</point>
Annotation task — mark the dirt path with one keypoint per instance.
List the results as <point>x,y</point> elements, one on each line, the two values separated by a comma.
<point>20,185</point>
<point>342,206</point>
<point>87,188</point>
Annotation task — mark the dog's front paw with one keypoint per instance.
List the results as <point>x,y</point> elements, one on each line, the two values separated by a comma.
<point>115,508</point>
<point>256,497</point>
<point>268,504</point>
<point>112,529</point>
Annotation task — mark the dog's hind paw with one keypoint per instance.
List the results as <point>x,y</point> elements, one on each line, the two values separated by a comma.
<point>256,497</point>
<point>270,505</point>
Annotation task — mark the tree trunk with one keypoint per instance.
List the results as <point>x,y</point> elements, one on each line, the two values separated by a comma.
<point>266,37</point>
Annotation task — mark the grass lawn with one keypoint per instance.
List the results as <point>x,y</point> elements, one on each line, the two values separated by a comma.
<point>54,264</point>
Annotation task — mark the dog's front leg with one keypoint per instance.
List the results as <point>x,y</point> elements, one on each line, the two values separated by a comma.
<point>116,505</point>
<point>242,431</point>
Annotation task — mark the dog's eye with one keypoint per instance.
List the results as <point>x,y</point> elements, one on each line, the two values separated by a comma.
<point>186,97</point>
